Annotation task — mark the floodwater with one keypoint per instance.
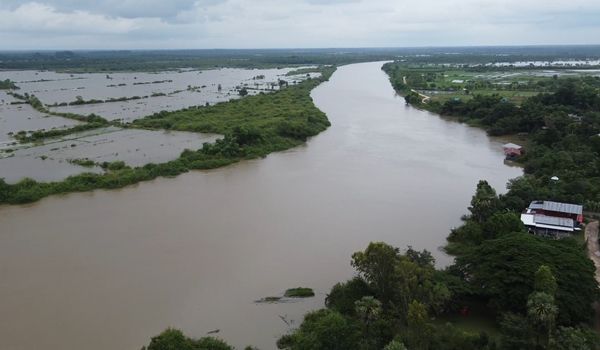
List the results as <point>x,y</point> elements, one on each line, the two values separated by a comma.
<point>109,269</point>
<point>135,147</point>
<point>168,91</point>
<point>22,117</point>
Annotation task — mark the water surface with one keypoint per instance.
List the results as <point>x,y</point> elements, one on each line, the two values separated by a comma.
<point>109,269</point>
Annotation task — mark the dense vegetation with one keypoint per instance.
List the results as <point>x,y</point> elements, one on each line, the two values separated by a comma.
<point>253,126</point>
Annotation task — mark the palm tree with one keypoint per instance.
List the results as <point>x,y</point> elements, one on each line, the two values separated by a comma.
<point>542,312</point>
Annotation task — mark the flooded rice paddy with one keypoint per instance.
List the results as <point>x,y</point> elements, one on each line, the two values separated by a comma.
<point>52,160</point>
<point>151,92</point>
<point>144,94</point>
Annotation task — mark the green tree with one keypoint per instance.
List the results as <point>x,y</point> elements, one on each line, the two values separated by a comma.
<point>395,345</point>
<point>174,339</point>
<point>170,339</point>
<point>368,310</point>
<point>343,296</point>
<point>544,281</point>
<point>378,266</point>
<point>542,313</point>
<point>503,270</point>
<point>502,223</point>
<point>484,203</point>
<point>419,330</point>
<point>516,333</point>
<point>570,338</point>
<point>323,330</point>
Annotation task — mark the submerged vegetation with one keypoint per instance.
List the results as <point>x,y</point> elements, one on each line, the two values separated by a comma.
<point>7,84</point>
<point>299,292</point>
<point>253,126</point>
<point>89,122</point>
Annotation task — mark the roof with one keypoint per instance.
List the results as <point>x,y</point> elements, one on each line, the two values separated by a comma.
<point>511,145</point>
<point>552,220</point>
<point>557,207</point>
<point>549,222</point>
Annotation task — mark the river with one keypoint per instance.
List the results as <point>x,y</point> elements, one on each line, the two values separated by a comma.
<point>109,269</point>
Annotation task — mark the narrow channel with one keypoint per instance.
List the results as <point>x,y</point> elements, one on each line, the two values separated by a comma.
<point>109,269</point>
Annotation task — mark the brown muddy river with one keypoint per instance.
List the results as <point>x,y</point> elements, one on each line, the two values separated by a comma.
<point>109,269</point>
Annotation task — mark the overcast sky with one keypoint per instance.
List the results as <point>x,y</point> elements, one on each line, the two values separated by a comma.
<point>156,24</point>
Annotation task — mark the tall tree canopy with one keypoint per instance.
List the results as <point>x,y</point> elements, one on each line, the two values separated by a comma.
<point>504,270</point>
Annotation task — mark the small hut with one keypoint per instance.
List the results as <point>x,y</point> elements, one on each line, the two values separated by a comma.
<point>512,150</point>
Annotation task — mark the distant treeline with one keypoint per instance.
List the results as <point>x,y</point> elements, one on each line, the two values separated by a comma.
<point>148,60</point>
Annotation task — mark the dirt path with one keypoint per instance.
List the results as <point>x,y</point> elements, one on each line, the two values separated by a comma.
<point>425,98</point>
<point>591,237</point>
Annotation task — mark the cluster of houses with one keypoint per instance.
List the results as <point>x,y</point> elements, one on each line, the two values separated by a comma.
<point>552,219</point>
<point>547,218</point>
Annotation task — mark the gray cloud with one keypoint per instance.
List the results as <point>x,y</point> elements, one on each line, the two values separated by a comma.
<point>118,8</point>
<point>294,23</point>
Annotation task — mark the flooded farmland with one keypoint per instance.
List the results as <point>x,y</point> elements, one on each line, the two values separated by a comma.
<point>113,268</point>
<point>22,117</point>
<point>52,161</point>
<point>130,96</point>
<point>146,93</point>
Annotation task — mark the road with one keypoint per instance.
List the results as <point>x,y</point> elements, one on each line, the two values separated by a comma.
<point>591,237</point>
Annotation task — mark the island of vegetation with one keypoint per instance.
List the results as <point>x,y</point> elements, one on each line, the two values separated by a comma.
<point>300,292</point>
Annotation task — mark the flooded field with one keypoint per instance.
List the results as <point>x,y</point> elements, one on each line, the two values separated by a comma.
<point>51,161</point>
<point>22,117</point>
<point>113,268</point>
<point>139,94</point>
<point>563,63</point>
